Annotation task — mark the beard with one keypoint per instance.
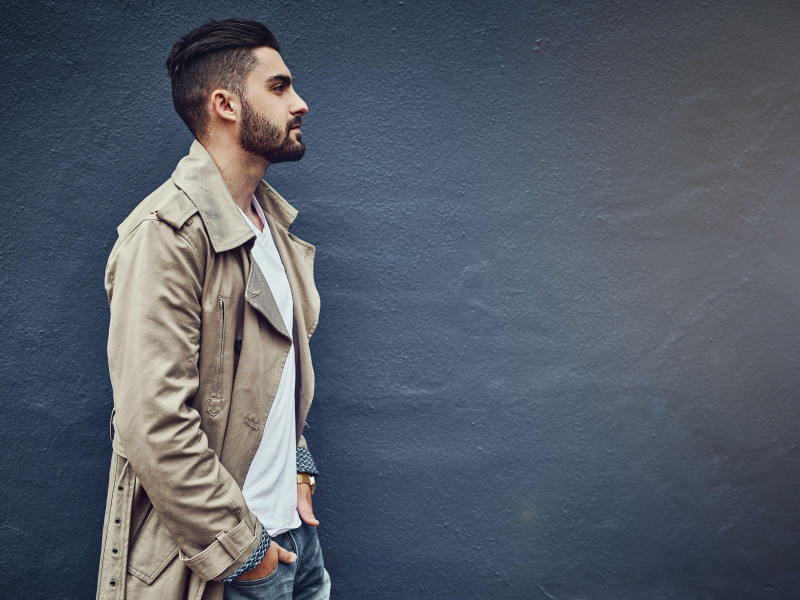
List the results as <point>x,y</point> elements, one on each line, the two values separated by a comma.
<point>260,136</point>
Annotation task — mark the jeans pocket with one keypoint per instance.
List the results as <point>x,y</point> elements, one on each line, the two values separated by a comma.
<point>287,543</point>
<point>251,582</point>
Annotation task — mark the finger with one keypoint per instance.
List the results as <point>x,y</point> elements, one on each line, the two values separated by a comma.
<point>284,555</point>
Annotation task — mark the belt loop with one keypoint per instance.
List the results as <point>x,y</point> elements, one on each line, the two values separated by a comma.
<point>226,543</point>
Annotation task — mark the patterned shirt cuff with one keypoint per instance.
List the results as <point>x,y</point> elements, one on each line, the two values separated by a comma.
<point>255,558</point>
<point>305,464</point>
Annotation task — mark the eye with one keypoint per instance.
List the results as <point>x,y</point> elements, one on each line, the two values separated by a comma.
<point>279,88</point>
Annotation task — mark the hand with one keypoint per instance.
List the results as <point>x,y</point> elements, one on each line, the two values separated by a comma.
<point>304,504</point>
<point>269,563</point>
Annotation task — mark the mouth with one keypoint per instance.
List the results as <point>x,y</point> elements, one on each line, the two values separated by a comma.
<point>295,124</point>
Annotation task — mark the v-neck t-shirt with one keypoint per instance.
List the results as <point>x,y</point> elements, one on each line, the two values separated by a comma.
<point>270,487</point>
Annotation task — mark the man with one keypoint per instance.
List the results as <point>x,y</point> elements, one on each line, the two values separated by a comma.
<point>212,306</point>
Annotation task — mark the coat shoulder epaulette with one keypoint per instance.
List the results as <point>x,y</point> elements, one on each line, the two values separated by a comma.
<point>176,210</point>
<point>168,204</point>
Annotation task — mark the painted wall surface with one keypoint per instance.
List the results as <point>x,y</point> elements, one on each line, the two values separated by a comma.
<point>558,254</point>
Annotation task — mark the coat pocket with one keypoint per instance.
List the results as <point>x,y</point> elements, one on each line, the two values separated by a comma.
<point>152,550</point>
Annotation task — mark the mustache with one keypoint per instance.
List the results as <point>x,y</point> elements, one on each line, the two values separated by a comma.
<point>295,121</point>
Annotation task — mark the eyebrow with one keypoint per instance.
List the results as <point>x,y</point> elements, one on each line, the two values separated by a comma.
<point>284,79</point>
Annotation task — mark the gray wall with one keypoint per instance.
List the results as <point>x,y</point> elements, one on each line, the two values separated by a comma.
<point>558,254</point>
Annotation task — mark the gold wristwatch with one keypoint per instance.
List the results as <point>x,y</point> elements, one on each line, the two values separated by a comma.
<point>309,479</point>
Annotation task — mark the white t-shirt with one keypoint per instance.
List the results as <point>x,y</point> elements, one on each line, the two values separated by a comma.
<point>270,488</point>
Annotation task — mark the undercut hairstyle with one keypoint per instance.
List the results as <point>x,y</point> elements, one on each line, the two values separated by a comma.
<point>218,54</point>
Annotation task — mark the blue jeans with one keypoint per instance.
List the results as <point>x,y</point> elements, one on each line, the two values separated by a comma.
<point>304,579</point>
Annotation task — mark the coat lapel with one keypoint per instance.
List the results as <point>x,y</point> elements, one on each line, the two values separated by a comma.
<point>259,296</point>
<point>298,260</point>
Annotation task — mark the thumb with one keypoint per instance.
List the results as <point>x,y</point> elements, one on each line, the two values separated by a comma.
<point>284,555</point>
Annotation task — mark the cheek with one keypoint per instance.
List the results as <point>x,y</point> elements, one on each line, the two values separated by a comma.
<point>278,118</point>
<point>272,109</point>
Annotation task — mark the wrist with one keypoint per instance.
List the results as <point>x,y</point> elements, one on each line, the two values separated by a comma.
<point>309,479</point>
<point>255,558</point>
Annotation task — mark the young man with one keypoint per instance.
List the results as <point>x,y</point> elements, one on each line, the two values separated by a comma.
<point>212,307</point>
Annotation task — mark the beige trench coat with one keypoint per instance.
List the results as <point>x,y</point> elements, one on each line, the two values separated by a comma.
<point>196,347</point>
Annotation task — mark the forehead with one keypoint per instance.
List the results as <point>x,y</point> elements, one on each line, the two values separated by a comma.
<point>269,63</point>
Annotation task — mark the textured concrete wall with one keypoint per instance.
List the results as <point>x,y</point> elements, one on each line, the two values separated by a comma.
<point>558,254</point>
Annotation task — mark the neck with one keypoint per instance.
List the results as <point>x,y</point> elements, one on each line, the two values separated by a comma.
<point>241,170</point>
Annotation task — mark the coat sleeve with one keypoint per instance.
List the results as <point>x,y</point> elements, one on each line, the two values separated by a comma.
<point>154,282</point>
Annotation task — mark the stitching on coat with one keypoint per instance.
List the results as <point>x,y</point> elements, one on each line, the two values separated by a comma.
<point>192,357</point>
<point>191,245</point>
<point>230,501</point>
<point>108,532</point>
<point>148,579</point>
<point>149,217</point>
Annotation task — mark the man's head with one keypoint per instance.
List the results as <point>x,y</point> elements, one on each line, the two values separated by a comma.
<point>230,72</point>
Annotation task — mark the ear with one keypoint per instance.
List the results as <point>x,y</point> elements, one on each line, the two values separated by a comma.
<point>224,105</point>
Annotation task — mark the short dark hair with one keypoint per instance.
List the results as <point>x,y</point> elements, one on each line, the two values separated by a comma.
<point>217,54</point>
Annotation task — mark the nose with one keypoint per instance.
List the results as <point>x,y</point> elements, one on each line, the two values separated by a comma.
<point>298,107</point>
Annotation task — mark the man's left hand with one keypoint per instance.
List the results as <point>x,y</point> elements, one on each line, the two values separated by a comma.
<point>304,504</point>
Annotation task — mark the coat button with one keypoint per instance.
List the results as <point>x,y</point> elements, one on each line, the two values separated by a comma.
<point>120,487</point>
<point>117,521</point>
<point>115,551</point>
<point>113,583</point>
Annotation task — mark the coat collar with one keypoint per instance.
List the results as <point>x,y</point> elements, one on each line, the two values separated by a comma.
<point>199,178</point>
